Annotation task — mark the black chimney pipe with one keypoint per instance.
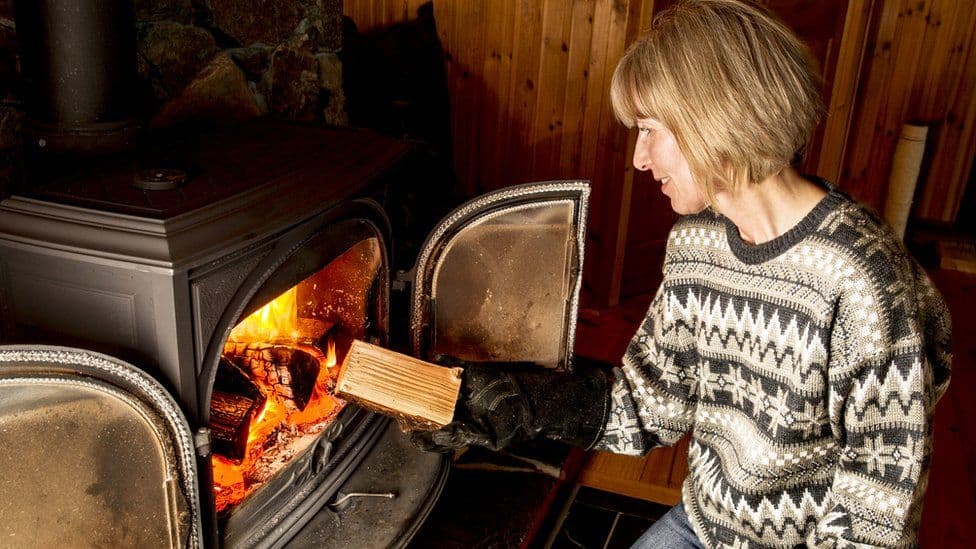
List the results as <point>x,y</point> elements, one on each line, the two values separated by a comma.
<point>78,64</point>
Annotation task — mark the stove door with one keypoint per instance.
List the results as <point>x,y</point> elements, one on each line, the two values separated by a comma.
<point>498,279</point>
<point>95,453</point>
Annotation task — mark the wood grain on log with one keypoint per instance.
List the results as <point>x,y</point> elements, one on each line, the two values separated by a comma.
<point>287,371</point>
<point>420,395</point>
<point>230,419</point>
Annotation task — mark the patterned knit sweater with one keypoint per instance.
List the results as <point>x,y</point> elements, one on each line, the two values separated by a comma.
<point>806,369</point>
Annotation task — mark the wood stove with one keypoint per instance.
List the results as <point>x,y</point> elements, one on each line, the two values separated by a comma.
<point>222,278</point>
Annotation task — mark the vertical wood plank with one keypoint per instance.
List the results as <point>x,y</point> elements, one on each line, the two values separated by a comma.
<point>948,100</point>
<point>546,126</point>
<point>578,73</point>
<point>600,244</point>
<point>840,108</point>
<point>495,67</point>
<point>523,88</point>
<point>858,169</point>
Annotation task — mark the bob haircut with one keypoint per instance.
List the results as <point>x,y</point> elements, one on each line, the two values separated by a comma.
<point>739,91</point>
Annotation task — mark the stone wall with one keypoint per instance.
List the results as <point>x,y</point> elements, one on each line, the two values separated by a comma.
<point>227,60</point>
<point>210,62</point>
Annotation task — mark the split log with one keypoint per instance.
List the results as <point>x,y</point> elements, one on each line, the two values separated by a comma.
<point>420,395</point>
<point>233,403</point>
<point>288,372</point>
<point>230,420</point>
<point>232,378</point>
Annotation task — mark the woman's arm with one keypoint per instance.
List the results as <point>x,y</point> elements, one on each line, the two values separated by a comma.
<point>890,364</point>
<point>654,393</point>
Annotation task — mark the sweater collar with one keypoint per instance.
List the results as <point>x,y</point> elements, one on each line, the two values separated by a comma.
<point>753,254</point>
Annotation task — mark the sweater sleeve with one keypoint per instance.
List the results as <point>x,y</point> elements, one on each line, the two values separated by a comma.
<point>890,363</point>
<point>654,392</point>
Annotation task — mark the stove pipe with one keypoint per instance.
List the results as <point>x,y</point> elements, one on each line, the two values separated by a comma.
<point>78,63</point>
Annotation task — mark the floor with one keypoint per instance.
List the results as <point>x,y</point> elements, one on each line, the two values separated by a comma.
<point>950,501</point>
<point>601,519</point>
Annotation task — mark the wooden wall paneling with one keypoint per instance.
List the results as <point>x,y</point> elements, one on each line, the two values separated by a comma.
<point>546,128</point>
<point>472,38</point>
<point>821,26</point>
<point>577,84</point>
<point>523,89</point>
<point>840,107</point>
<point>502,169</point>
<point>948,100</point>
<point>618,150</point>
<point>595,279</point>
<point>496,66</point>
<point>891,70</point>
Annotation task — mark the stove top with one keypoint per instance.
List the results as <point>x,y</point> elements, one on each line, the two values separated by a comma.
<point>208,168</point>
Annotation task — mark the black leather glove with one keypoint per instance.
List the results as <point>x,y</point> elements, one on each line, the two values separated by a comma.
<point>504,403</point>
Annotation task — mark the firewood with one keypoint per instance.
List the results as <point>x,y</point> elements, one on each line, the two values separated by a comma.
<point>232,378</point>
<point>420,395</point>
<point>288,372</point>
<point>235,400</point>
<point>230,419</point>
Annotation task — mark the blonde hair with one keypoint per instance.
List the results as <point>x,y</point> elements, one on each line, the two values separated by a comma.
<point>739,91</point>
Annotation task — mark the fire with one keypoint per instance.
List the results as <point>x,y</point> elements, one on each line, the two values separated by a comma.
<point>330,361</point>
<point>276,319</point>
<point>279,430</point>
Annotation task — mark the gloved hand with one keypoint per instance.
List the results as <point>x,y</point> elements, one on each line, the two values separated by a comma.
<point>504,403</point>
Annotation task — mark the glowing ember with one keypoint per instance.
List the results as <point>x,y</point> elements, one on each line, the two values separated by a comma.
<point>279,430</point>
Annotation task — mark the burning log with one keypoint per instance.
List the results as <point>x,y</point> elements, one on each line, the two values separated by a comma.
<point>420,395</point>
<point>234,402</point>
<point>230,418</point>
<point>287,371</point>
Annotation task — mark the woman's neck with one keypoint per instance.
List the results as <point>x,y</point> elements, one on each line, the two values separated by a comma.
<point>766,210</point>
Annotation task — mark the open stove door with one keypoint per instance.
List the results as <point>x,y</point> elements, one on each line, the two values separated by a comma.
<point>95,453</point>
<point>498,279</point>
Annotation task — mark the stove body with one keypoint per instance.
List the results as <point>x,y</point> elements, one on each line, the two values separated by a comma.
<point>160,278</point>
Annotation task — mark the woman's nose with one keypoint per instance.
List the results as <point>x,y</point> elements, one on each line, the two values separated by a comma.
<point>642,160</point>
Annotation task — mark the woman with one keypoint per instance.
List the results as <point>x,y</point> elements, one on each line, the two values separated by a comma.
<point>793,337</point>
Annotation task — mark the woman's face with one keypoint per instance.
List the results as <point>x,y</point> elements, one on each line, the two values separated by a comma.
<point>657,151</point>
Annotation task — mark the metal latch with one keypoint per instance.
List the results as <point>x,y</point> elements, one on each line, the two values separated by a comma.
<point>201,441</point>
<point>321,455</point>
<point>403,279</point>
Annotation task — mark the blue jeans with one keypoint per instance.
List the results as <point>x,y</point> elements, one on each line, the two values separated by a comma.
<point>672,531</point>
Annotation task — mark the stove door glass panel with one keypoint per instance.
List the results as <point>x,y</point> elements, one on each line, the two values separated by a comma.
<point>498,280</point>
<point>502,285</point>
<point>86,462</point>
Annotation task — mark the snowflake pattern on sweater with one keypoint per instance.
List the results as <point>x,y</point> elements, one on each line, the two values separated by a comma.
<point>806,370</point>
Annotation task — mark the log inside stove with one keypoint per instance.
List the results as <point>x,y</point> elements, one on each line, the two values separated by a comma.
<point>250,373</point>
<point>234,402</point>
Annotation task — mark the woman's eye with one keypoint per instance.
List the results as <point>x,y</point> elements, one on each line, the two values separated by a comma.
<point>645,131</point>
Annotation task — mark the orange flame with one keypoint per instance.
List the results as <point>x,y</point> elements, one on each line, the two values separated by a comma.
<point>330,354</point>
<point>277,319</point>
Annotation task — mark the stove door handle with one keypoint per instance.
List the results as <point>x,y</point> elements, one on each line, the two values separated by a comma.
<point>342,500</point>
